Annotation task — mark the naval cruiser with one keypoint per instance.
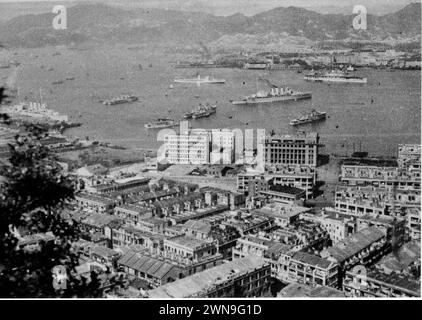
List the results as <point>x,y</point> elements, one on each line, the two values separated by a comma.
<point>276,94</point>
<point>336,76</point>
<point>199,80</point>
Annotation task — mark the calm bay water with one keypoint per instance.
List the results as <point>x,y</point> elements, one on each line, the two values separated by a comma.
<point>376,116</point>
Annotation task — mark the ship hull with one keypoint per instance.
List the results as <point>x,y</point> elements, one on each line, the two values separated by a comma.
<point>149,126</point>
<point>302,96</point>
<point>336,80</point>
<point>200,81</point>
<point>321,118</point>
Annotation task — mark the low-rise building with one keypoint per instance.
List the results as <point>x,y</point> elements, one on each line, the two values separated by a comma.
<point>375,284</point>
<point>312,270</point>
<point>362,248</point>
<point>95,203</point>
<point>251,183</point>
<point>284,194</point>
<point>246,277</point>
<point>393,227</point>
<point>155,271</point>
<point>302,177</point>
<point>339,226</point>
<point>300,290</point>
<point>384,177</point>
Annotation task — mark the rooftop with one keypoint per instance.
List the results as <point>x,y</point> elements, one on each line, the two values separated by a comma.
<point>298,290</point>
<point>208,279</point>
<point>354,244</point>
<point>149,265</point>
<point>312,259</point>
<point>188,242</point>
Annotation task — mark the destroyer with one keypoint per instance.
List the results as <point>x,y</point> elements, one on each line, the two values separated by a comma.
<point>199,80</point>
<point>313,116</point>
<point>276,94</point>
<point>121,99</point>
<point>334,76</point>
<point>201,111</point>
<point>161,123</point>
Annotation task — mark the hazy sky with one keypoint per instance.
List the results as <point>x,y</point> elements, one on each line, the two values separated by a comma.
<point>274,3</point>
<point>248,7</point>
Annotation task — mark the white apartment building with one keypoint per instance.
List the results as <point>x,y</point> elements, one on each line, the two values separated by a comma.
<point>192,147</point>
<point>222,146</point>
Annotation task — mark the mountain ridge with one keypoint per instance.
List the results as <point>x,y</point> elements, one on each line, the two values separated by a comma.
<point>104,23</point>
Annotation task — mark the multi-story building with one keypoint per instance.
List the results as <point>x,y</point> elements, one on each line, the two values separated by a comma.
<point>191,147</point>
<point>302,177</point>
<point>362,248</point>
<point>95,203</point>
<point>360,200</point>
<point>385,177</point>
<point>127,235</point>
<point>393,227</point>
<point>246,277</point>
<point>189,248</point>
<point>132,214</point>
<point>409,156</point>
<point>284,194</point>
<point>311,269</point>
<point>251,183</point>
<point>414,222</point>
<point>222,146</point>
<point>339,226</point>
<point>376,284</point>
<point>288,150</point>
<point>225,236</point>
<point>283,215</point>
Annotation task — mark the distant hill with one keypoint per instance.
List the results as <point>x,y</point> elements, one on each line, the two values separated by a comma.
<point>106,24</point>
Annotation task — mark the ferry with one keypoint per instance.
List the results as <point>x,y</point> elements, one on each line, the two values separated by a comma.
<point>313,116</point>
<point>336,76</point>
<point>161,123</point>
<point>120,99</point>
<point>199,80</point>
<point>276,94</point>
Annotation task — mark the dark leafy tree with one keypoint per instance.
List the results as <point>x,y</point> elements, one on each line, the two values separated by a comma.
<point>33,192</point>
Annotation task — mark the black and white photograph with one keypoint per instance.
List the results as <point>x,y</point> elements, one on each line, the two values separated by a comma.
<point>235,150</point>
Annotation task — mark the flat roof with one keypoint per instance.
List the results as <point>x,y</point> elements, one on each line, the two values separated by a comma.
<point>312,260</point>
<point>298,290</point>
<point>186,241</point>
<point>199,282</point>
<point>355,243</point>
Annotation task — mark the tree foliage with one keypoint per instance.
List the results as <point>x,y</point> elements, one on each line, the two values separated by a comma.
<point>33,193</point>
